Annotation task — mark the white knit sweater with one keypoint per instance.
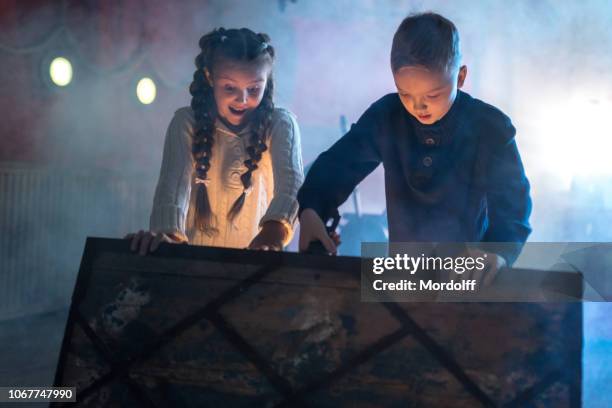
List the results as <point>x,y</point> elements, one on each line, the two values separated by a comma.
<point>275,182</point>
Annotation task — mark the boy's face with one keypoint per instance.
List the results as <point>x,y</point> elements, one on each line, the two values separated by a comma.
<point>428,95</point>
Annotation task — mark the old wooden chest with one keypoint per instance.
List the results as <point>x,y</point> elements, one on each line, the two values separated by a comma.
<point>209,327</point>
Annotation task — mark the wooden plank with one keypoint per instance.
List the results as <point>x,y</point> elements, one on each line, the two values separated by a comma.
<point>194,326</point>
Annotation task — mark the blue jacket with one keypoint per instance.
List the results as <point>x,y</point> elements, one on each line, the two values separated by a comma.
<point>458,180</point>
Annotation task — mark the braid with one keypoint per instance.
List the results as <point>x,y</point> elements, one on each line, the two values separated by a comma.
<point>261,123</point>
<point>204,109</point>
<point>240,45</point>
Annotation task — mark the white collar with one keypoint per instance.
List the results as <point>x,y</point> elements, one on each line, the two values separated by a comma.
<point>221,127</point>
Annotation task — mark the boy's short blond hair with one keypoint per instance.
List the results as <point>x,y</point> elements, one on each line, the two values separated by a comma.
<point>426,39</point>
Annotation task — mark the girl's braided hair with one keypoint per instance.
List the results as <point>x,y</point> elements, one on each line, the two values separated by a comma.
<point>241,45</point>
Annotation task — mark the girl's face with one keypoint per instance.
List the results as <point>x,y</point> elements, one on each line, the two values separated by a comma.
<point>238,89</point>
<point>428,95</point>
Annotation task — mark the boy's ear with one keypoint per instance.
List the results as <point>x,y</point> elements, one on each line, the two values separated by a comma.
<point>461,76</point>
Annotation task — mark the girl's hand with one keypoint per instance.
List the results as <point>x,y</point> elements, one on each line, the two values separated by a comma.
<point>313,229</point>
<point>148,241</point>
<point>270,238</point>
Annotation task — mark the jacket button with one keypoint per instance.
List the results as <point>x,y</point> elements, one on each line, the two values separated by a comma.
<point>427,161</point>
<point>430,141</point>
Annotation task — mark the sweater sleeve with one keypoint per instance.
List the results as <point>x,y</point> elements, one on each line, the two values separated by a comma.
<point>171,200</point>
<point>508,200</point>
<point>337,171</point>
<point>288,171</point>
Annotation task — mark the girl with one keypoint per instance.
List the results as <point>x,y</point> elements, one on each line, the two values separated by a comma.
<point>232,163</point>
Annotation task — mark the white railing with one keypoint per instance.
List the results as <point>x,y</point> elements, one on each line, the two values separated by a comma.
<point>45,216</point>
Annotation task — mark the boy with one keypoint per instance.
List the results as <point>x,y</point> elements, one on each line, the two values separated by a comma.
<point>452,169</point>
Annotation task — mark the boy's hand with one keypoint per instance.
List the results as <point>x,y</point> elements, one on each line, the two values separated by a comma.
<point>313,229</point>
<point>270,238</point>
<point>493,263</point>
<point>148,241</point>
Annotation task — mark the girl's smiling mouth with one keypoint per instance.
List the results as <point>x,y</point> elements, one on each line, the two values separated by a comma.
<point>237,112</point>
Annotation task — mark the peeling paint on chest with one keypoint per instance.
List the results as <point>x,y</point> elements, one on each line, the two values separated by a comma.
<point>125,308</point>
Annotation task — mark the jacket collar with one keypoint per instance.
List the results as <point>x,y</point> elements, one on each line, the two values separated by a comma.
<point>440,133</point>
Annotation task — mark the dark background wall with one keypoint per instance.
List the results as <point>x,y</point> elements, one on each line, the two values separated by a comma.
<point>544,63</point>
